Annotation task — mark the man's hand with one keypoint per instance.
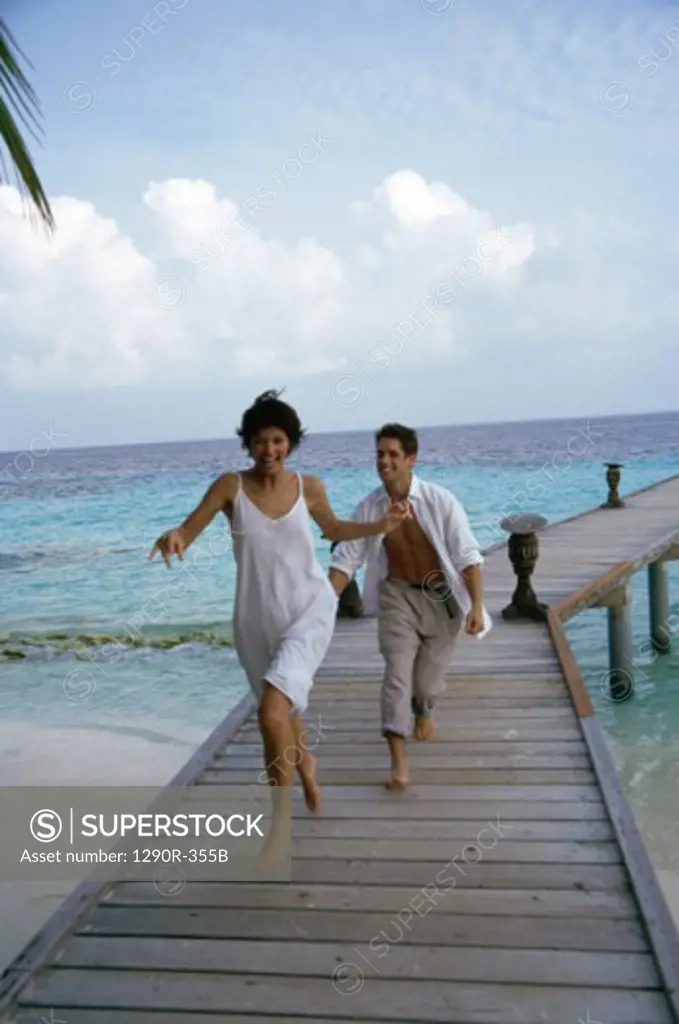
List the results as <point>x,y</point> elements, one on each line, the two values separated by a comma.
<point>170,543</point>
<point>474,622</point>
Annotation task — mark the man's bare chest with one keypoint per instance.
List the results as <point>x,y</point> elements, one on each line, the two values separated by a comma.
<point>409,540</point>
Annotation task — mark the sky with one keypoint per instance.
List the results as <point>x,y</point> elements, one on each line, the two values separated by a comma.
<point>435,211</point>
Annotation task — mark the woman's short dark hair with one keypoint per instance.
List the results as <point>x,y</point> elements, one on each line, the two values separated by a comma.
<point>267,410</point>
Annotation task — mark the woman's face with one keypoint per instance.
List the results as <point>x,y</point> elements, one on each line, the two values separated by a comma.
<point>268,448</point>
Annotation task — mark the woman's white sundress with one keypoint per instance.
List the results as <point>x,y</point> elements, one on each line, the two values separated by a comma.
<point>285,608</point>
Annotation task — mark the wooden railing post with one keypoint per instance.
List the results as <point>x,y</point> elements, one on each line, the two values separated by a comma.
<point>659,605</point>
<point>613,481</point>
<point>620,660</point>
<point>523,554</point>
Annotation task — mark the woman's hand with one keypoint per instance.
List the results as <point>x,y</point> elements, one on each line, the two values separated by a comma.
<point>170,543</point>
<point>474,622</point>
<point>398,512</point>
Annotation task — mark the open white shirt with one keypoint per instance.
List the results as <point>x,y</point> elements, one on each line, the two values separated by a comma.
<point>444,522</point>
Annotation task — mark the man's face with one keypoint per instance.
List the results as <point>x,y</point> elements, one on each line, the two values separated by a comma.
<point>392,462</point>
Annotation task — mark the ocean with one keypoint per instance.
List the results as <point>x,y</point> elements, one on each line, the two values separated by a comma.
<point>113,669</point>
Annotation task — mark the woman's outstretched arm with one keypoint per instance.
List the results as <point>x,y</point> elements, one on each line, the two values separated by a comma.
<point>218,497</point>
<point>335,529</point>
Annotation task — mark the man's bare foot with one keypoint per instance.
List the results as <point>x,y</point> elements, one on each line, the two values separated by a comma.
<point>307,774</point>
<point>424,728</point>
<point>400,773</point>
<point>399,779</point>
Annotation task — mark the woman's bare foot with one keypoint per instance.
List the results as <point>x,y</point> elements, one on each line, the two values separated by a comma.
<point>424,728</point>
<point>307,773</point>
<point>279,837</point>
<point>275,850</point>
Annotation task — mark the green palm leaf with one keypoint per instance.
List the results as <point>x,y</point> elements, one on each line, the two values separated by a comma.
<point>18,103</point>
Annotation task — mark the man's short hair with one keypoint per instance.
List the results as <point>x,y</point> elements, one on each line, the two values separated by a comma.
<point>397,432</point>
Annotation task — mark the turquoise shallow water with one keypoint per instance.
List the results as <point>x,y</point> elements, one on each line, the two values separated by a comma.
<point>152,671</point>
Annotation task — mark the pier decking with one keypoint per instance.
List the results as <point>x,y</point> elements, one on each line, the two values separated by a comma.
<point>507,885</point>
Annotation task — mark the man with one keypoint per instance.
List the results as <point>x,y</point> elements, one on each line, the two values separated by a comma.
<point>350,604</point>
<point>422,580</point>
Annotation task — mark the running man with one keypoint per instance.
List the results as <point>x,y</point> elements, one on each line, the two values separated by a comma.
<point>423,581</point>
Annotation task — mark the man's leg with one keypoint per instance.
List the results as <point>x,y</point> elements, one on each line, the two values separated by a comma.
<point>399,645</point>
<point>440,634</point>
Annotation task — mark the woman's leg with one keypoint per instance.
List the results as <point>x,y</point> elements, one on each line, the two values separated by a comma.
<point>278,736</point>
<point>279,743</point>
<point>306,765</point>
<point>285,752</point>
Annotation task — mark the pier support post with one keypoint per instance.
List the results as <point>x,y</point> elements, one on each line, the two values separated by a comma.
<point>523,554</point>
<point>613,481</point>
<point>620,655</point>
<point>659,605</point>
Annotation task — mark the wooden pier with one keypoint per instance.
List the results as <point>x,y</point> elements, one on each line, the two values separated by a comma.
<point>508,885</point>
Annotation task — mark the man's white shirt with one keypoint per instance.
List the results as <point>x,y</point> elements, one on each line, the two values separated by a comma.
<point>444,522</point>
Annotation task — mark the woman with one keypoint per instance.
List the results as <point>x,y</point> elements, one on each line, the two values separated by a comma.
<point>285,606</point>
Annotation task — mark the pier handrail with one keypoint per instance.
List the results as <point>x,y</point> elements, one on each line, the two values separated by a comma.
<point>660,926</point>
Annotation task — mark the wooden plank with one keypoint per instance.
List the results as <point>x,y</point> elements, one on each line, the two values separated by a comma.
<point>422,759</point>
<point>483,846</point>
<point>456,685</point>
<point>462,810</point>
<point>359,776</point>
<point>427,927</point>
<point>491,964</point>
<point>448,733</point>
<point>382,999</point>
<point>609,903</point>
<point>487,874</point>
<point>499,667</point>
<point>487,795</point>
<point>395,828</point>
<point>435,747</point>
<point>506,719</point>
<point>452,729</point>
<point>548,714</point>
<point>71,1015</point>
<point>451,703</point>
<point>453,681</point>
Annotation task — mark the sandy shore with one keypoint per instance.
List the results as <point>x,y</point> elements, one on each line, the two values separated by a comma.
<point>34,757</point>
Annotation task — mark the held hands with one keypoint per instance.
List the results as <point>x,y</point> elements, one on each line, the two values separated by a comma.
<point>398,512</point>
<point>170,543</point>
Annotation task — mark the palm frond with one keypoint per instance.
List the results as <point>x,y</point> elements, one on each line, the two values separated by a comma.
<point>19,103</point>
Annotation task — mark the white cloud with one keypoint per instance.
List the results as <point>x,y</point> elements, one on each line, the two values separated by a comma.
<point>415,204</point>
<point>213,297</point>
<point>78,307</point>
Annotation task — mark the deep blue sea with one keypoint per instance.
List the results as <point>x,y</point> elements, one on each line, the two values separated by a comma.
<point>113,668</point>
